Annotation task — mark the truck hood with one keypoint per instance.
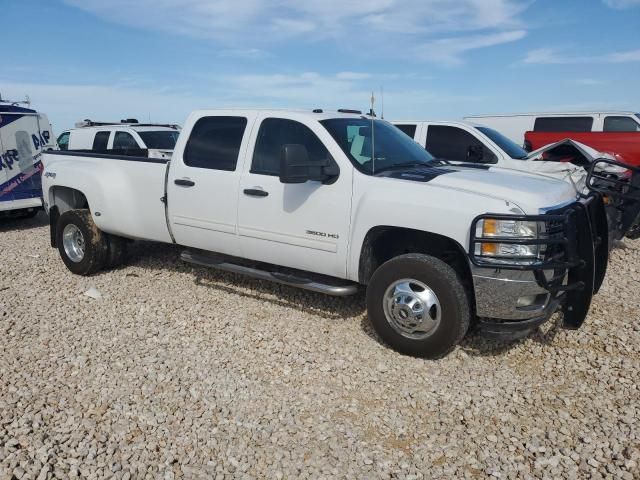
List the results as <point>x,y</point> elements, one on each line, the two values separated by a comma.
<point>529,191</point>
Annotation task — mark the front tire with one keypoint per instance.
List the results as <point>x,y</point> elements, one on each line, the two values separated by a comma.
<point>418,305</point>
<point>83,247</point>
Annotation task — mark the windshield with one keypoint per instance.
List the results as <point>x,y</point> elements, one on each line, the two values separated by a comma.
<point>162,139</point>
<point>391,147</point>
<point>510,147</point>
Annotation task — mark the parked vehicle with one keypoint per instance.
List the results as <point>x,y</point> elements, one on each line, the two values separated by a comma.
<point>24,135</point>
<point>332,201</point>
<point>610,132</point>
<point>127,137</point>
<point>565,160</point>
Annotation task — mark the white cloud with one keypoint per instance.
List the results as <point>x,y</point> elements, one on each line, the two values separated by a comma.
<point>550,56</point>
<point>622,4</point>
<point>449,50</point>
<point>68,103</point>
<point>587,82</point>
<point>259,24</point>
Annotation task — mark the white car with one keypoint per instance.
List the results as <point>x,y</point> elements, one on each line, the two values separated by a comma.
<point>333,201</point>
<point>514,126</point>
<point>567,160</point>
<point>127,137</point>
<point>24,135</point>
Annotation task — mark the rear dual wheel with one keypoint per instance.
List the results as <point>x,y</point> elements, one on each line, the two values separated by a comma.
<point>84,248</point>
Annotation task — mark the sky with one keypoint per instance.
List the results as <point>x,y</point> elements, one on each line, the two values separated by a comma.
<point>435,59</point>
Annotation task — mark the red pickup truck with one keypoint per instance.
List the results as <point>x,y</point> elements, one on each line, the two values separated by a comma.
<point>625,145</point>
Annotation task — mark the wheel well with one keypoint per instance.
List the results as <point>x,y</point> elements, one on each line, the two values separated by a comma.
<point>66,198</point>
<point>384,243</point>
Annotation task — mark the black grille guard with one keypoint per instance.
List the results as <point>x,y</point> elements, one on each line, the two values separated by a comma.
<point>622,193</point>
<point>576,252</point>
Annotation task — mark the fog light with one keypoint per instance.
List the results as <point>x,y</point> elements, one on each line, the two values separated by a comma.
<point>528,301</point>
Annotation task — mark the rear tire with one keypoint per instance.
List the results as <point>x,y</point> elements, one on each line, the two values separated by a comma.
<point>418,305</point>
<point>117,251</point>
<point>83,247</point>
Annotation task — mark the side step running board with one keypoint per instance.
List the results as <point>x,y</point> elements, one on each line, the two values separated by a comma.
<point>317,285</point>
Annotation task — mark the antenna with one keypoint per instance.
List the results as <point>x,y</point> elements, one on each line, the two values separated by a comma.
<point>373,137</point>
<point>382,103</point>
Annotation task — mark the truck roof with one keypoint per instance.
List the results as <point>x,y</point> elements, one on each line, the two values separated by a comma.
<point>455,123</point>
<point>317,114</point>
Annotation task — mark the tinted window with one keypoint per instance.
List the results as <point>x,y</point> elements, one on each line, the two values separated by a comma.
<point>101,140</point>
<point>215,143</point>
<point>163,139</point>
<point>410,130</point>
<point>124,140</point>
<point>453,143</point>
<point>620,124</point>
<point>387,148</point>
<point>274,133</point>
<point>63,141</point>
<point>563,124</point>
<point>507,145</point>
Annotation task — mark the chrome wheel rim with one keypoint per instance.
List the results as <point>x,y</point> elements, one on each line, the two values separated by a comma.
<point>73,243</point>
<point>412,309</point>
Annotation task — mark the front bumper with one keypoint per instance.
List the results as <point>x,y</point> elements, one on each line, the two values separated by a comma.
<point>513,297</point>
<point>510,302</point>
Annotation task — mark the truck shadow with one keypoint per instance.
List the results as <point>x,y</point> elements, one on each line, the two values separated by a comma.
<point>155,256</point>
<point>11,224</point>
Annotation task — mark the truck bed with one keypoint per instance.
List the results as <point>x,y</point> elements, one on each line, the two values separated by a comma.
<point>127,199</point>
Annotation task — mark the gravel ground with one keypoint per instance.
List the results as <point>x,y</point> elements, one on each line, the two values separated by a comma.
<point>184,372</point>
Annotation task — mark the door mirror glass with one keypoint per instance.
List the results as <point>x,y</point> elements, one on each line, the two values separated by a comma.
<point>297,167</point>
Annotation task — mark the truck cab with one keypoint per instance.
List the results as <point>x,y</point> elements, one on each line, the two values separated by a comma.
<point>126,137</point>
<point>334,202</point>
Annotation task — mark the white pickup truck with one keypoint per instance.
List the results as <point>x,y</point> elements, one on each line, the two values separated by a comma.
<point>568,160</point>
<point>333,201</point>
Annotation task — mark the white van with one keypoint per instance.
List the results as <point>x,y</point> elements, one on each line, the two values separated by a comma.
<point>24,135</point>
<point>127,137</point>
<point>514,126</point>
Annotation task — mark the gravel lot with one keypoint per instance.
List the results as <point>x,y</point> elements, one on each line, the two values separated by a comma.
<point>184,372</point>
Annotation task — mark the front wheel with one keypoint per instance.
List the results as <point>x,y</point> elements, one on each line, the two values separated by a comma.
<point>82,246</point>
<point>418,305</point>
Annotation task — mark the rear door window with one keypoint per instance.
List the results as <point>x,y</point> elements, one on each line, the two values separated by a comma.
<point>100,141</point>
<point>215,143</point>
<point>63,141</point>
<point>123,141</point>
<point>453,143</point>
<point>620,124</point>
<point>409,129</point>
<point>563,124</point>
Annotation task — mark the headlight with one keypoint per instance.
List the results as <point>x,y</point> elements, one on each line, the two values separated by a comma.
<point>495,229</point>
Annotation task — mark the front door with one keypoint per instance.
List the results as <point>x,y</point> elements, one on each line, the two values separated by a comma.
<point>306,225</point>
<point>202,188</point>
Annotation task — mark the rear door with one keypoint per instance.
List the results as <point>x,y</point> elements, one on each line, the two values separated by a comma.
<point>21,156</point>
<point>6,163</point>
<point>305,226</point>
<point>202,188</point>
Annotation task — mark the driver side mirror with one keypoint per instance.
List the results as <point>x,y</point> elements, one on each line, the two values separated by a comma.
<point>296,167</point>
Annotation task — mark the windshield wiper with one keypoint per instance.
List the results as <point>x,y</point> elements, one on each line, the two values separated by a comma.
<point>400,166</point>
